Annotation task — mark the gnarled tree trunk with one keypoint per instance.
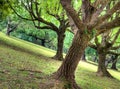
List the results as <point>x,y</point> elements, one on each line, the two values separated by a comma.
<point>66,73</point>
<point>102,71</point>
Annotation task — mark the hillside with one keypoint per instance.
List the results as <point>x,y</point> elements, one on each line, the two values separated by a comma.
<point>24,65</point>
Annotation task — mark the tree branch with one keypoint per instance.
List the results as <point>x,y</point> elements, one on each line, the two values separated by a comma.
<point>115,47</point>
<point>43,27</point>
<point>96,41</point>
<point>74,15</point>
<point>17,12</point>
<point>92,46</point>
<point>114,53</point>
<point>108,14</point>
<point>110,25</point>
<point>34,17</point>
<point>99,10</point>
<point>116,36</point>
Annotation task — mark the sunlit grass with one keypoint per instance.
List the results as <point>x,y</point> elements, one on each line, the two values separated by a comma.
<point>12,60</point>
<point>25,46</point>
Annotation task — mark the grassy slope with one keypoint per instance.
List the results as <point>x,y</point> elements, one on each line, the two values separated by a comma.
<point>25,46</point>
<point>12,61</point>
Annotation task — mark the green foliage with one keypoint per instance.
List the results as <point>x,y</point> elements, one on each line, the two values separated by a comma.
<point>68,41</point>
<point>5,10</point>
<point>90,53</point>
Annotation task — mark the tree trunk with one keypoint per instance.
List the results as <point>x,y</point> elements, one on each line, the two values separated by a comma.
<point>83,57</point>
<point>114,63</point>
<point>43,42</point>
<point>8,31</point>
<point>59,53</point>
<point>102,71</point>
<point>66,73</point>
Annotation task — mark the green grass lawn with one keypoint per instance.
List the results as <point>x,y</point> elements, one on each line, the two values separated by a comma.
<point>21,68</point>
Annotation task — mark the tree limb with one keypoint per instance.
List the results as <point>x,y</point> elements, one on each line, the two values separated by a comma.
<point>74,15</point>
<point>34,17</point>
<point>43,27</point>
<point>115,47</point>
<point>110,25</point>
<point>116,36</point>
<point>101,19</point>
<point>96,41</point>
<point>114,53</point>
<point>92,46</point>
<point>17,12</point>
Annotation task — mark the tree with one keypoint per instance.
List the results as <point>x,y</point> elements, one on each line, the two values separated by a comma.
<point>106,46</point>
<point>38,11</point>
<point>91,20</point>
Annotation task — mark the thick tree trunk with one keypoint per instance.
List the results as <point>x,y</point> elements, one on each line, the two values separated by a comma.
<point>66,73</point>
<point>59,53</point>
<point>102,71</point>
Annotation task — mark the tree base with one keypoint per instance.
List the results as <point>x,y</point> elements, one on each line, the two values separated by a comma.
<point>114,68</point>
<point>54,83</point>
<point>106,74</point>
<point>58,58</point>
<point>65,85</point>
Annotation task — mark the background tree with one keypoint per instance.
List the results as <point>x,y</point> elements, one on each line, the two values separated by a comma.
<point>56,20</point>
<point>103,48</point>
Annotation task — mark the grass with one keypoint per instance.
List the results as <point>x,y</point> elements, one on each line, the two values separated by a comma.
<point>35,68</point>
<point>25,46</point>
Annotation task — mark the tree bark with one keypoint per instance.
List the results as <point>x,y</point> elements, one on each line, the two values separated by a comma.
<point>66,73</point>
<point>59,53</point>
<point>102,71</point>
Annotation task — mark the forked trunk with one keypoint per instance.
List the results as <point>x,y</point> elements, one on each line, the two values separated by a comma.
<point>59,53</point>
<point>102,71</point>
<point>66,73</point>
